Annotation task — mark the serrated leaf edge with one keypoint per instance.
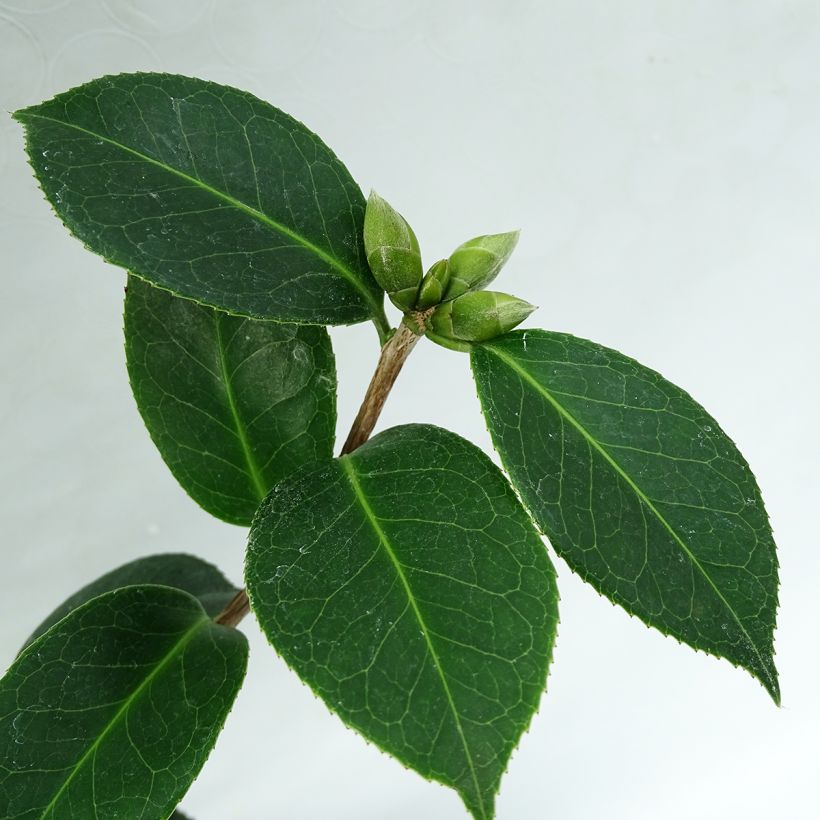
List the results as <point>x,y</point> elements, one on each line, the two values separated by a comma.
<point>773,691</point>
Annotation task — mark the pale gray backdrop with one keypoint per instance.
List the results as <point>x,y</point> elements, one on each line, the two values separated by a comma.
<point>662,159</point>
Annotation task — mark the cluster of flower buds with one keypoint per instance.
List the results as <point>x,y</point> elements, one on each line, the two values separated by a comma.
<point>450,296</point>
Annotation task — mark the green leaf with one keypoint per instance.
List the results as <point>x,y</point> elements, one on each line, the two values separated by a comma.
<point>113,711</point>
<point>208,192</point>
<point>186,572</point>
<point>638,489</point>
<point>232,404</point>
<point>408,588</point>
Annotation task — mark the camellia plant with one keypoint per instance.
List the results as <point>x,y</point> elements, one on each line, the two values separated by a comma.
<point>405,581</point>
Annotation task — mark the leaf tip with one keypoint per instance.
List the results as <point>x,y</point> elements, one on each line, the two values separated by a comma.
<point>772,685</point>
<point>482,808</point>
<point>22,114</point>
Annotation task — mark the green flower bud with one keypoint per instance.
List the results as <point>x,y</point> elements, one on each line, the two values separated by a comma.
<point>479,315</point>
<point>392,252</point>
<point>433,285</point>
<point>477,262</point>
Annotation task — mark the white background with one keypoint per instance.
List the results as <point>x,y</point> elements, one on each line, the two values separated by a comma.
<point>662,159</point>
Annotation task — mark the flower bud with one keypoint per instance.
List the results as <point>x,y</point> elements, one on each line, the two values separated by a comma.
<point>392,252</point>
<point>479,315</point>
<point>477,262</point>
<point>433,285</point>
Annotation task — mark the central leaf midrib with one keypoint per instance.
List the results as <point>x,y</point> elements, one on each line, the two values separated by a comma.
<point>120,713</point>
<point>331,260</point>
<point>353,478</point>
<point>257,480</point>
<point>602,451</point>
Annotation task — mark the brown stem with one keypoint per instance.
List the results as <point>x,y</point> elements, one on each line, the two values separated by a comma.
<point>238,607</point>
<point>392,358</point>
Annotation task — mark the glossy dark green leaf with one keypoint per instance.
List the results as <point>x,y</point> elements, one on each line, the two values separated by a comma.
<point>638,489</point>
<point>232,404</point>
<point>208,192</point>
<point>186,572</point>
<point>407,587</point>
<point>113,711</point>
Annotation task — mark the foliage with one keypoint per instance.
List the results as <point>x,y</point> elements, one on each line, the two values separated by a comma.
<point>405,581</point>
